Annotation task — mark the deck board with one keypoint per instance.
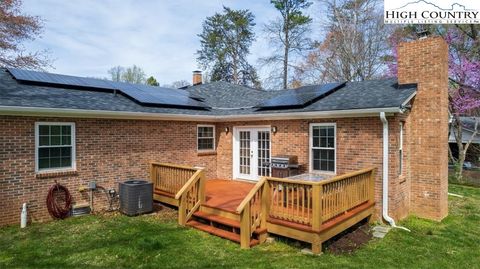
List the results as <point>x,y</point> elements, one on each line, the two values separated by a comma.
<point>226,194</point>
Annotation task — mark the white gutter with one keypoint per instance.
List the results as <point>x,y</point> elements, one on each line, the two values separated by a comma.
<point>386,217</point>
<point>84,113</point>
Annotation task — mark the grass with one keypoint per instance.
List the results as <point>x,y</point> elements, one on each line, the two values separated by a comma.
<point>155,241</point>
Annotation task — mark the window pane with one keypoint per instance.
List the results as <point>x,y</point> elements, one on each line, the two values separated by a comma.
<point>55,130</point>
<point>66,162</point>
<point>66,140</point>
<point>66,130</point>
<point>330,142</point>
<point>205,131</point>
<point>323,131</point>
<point>316,141</point>
<point>44,130</point>
<point>331,131</point>
<point>43,163</point>
<point>205,143</point>
<point>55,140</point>
<point>44,140</point>
<point>55,162</point>
<point>66,152</point>
<point>43,153</point>
<point>55,152</point>
<point>323,142</point>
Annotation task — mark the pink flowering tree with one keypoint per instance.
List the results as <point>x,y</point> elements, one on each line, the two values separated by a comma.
<point>464,77</point>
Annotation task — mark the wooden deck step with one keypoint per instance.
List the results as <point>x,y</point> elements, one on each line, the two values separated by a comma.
<point>217,219</point>
<point>218,232</point>
<point>224,221</point>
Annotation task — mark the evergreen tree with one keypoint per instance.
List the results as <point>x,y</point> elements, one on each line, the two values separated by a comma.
<point>225,44</point>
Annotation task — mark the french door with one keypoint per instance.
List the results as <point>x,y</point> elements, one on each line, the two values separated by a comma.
<point>251,152</point>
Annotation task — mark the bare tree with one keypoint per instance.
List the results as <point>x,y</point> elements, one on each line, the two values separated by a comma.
<point>354,45</point>
<point>458,125</point>
<point>177,84</point>
<point>288,35</point>
<point>16,28</point>
<point>116,73</point>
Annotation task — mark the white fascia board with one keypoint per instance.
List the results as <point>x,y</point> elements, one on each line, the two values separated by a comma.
<point>105,114</point>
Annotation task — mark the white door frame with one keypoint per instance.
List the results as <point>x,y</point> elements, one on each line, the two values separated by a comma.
<point>253,147</point>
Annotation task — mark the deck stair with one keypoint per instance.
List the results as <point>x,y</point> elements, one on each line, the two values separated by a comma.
<point>221,226</point>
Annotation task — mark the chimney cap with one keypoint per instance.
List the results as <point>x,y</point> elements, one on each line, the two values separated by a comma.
<point>197,71</point>
<point>422,31</point>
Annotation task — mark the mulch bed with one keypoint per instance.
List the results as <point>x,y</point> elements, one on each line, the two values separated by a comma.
<point>350,240</point>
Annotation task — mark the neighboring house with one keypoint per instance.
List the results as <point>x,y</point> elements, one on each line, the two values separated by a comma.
<point>468,130</point>
<point>73,134</point>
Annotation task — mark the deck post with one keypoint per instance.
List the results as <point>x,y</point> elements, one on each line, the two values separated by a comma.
<point>245,227</point>
<point>317,244</point>
<point>265,202</point>
<point>371,193</point>
<point>317,207</point>
<point>152,178</point>
<point>182,209</point>
<point>202,188</point>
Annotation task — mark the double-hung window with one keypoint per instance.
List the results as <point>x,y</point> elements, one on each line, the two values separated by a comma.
<point>54,146</point>
<point>205,137</point>
<point>322,147</point>
<point>400,150</point>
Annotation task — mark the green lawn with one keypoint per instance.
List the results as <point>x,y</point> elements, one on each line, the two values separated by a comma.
<point>155,241</point>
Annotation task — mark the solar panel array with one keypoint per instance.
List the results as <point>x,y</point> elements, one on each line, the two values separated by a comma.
<point>301,97</point>
<point>143,94</point>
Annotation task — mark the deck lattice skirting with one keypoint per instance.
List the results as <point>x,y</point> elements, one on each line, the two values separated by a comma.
<point>308,211</point>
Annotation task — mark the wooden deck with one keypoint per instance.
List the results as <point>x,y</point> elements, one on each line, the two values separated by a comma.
<point>245,212</point>
<point>226,194</point>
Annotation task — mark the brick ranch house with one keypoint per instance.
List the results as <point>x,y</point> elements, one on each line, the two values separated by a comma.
<point>74,135</point>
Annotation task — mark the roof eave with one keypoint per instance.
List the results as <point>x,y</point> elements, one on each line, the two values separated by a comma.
<point>105,114</point>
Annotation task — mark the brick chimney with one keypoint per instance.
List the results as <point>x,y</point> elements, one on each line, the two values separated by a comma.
<point>197,77</point>
<point>425,62</point>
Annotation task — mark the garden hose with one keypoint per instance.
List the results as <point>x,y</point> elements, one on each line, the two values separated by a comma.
<point>54,208</point>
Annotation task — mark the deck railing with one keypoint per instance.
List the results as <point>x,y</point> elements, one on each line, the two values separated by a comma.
<point>253,212</point>
<point>186,184</point>
<point>308,203</point>
<point>191,196</point>
<point>170,178</point>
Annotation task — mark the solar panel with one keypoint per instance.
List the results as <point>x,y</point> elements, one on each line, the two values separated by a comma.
<point>143,94</point>
<point>301,97</point>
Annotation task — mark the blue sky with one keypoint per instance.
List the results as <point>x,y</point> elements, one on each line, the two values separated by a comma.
<point>87,37</point>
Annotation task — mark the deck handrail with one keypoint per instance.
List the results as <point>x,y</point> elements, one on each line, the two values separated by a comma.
<point>250,195</point>
<point>195,177</point>
<point>253,212</point>
<point>186,167</point>
<point>191,197</point>
<point>184,183</point>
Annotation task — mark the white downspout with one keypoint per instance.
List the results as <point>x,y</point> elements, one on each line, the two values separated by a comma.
<point>386,217</point>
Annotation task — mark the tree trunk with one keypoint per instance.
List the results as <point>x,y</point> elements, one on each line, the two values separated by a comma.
<point>459,165</point>
<point>285,56</point>
<point>285,68</point>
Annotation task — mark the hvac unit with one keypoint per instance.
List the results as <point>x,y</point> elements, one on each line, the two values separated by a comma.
<point>136,197</point>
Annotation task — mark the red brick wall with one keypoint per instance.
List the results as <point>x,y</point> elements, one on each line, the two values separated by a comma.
<point>425,62</point>
<point>359,145</point>
<point>108,151</point>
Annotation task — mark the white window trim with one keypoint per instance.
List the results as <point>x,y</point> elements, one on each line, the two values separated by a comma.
<point>214,135</point>
<point>400,149</point>
<point>310,147</point>
<point>73,167</point>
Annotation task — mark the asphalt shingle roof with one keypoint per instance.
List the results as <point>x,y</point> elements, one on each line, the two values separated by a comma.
<point>223,97</point>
